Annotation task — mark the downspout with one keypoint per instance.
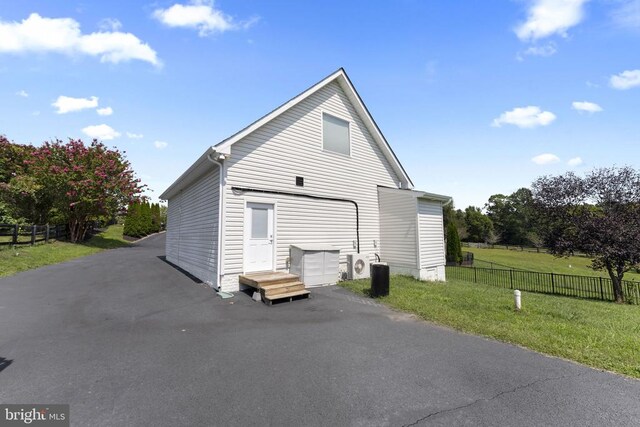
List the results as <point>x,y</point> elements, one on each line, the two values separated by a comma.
<point>220,163</point>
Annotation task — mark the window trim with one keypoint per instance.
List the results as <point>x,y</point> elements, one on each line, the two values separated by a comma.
<point>349,129</point>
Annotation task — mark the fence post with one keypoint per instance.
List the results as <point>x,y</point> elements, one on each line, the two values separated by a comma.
<point>33,234</point>
<point>14,239</point>
<point>511,278</point>
<point>46,235</point>
<point>601,289</point>
<point>475,275</point>
<point>553,285</point>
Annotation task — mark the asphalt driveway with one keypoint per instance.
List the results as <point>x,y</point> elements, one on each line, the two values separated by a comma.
<point>126,339</point>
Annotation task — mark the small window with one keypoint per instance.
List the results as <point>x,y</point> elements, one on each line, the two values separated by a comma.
<point>259,223</point>
<point>299,181</point>
<point>335,135</point>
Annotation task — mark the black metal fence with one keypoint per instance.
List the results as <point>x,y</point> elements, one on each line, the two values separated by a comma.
<point>13,234</point>
<point>600,288</point>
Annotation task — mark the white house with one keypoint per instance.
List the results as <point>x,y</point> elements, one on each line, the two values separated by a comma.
<point>314,171</point>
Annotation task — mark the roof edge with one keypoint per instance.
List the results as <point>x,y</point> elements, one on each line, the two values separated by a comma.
<point>364,111</point>
<point>418,194</point>
<point>186,177</point>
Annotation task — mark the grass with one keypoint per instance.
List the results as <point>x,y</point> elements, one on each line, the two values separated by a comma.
<point>541,262</point>
<point>23,258</point>
<point>599,334</point>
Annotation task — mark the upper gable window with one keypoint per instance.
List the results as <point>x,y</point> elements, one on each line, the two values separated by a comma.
<point>335,134</point>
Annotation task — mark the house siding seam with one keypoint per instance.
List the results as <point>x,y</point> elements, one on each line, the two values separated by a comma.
<point>290,145</point>
<point>431,234</point>
<point>192,228</point>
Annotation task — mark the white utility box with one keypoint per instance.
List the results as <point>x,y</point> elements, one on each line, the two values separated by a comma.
<point>316,264</point>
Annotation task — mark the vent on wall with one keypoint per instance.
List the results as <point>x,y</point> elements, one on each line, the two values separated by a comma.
<point>299,181</point>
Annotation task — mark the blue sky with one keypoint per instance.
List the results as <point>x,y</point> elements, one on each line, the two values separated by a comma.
<point>475,97</point>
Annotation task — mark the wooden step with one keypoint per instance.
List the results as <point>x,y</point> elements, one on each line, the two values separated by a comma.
<point>259,280</point>
<point>285,288</point>
<point>269,299</point>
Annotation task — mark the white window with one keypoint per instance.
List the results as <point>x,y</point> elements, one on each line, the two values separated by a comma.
<point>335,135</point>
<point>259,223</point>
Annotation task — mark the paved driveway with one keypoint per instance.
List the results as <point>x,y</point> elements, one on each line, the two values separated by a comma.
<point>126,339</point>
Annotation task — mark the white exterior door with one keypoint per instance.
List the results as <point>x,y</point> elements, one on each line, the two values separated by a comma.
<point>258,246</point>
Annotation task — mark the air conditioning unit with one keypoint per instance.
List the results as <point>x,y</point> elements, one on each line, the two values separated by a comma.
<point>358,266</point>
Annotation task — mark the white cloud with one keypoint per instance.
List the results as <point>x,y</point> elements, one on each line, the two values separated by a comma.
<point>160,145</point>
<point>546,50</point>
<point>67,104</point>
<point>106,111</point>
<point>548,17</point>
<point>576,161</point>
<point>103,132</point>
<point>625,80</point>
<point>525,117</point>
<point>22,93</point>
<point>627,14</point>
<point>132,135</point>
<point>63,35</point>
<point>110,24</point>
<point>200,15</point>
<point>545,159</point>
<point>589,107</point>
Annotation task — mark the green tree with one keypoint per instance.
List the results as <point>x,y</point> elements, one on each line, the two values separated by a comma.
<point>598,215</point>
<point>69,182</point>
<point>146,218</point>
<point>454,249</point>
<point>512,216</point>
<point>163,217</point>
<point>452,215</point>
<point>155,218</point>
<point>479,226</point>
<point>131,220</point>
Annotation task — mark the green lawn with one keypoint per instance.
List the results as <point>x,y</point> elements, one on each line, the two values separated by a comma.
<point>599,334</point>
<point>22,258</point>
<point>541,262</point>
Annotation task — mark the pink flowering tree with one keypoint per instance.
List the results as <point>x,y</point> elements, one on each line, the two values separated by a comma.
<point>74,183</point>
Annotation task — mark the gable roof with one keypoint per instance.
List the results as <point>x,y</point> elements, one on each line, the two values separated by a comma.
<point>339,76</point>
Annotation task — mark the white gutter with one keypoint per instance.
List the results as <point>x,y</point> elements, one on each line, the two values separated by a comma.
<point>221,181</point>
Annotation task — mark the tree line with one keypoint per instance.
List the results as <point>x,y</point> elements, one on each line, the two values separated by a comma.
<point>597,214</point>
<point>143,218</point>
<point>504,219</point>
<point>70,183</point>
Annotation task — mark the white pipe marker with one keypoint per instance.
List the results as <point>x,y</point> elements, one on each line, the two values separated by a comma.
<point>518,301</point>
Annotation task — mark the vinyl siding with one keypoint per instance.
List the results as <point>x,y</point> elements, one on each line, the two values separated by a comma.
<point>290,145</point>
<point>398,228</point>
<point>192,227</point>
<point>431,234</point>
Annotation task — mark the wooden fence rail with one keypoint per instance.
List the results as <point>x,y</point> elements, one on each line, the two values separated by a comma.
<point>14,234</point>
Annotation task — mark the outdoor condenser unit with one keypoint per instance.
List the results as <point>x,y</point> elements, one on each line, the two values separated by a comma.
<point>316,264</point>
<point>358,266</point>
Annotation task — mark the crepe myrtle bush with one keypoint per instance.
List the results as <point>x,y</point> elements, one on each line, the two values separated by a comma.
<point>598,214</point>
<point>71,182</point>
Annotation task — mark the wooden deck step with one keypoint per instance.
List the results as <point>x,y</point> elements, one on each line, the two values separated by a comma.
<point>281,288</point>
<point>258,280</point>
<point>275,285</point>
<point>269,299</point>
